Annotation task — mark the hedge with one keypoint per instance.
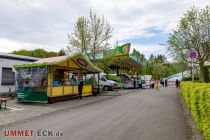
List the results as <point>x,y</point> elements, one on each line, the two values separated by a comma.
<point>197,98</point>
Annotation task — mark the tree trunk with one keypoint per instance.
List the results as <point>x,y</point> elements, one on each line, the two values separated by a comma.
<point>118,71</point>
<point>206,74</point>
<point>202,73</point>
<point>182,74</point>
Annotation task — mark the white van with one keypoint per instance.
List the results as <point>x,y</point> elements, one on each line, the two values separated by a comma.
<point>104,83</point>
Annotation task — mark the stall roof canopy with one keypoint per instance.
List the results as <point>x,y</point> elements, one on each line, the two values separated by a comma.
<point>122,56</point>
<point>127,61</point>
<point>78,60</point>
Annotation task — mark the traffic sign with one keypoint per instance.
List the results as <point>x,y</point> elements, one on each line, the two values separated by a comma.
<point>193,55</point>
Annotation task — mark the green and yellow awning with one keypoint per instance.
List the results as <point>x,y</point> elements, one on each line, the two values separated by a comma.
<point>77,61</point>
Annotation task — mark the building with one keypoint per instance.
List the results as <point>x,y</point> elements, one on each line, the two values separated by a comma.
<point>7,71</point>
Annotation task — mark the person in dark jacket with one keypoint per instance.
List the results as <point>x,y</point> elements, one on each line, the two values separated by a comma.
<point>177,83</point>
<point>140,84</point>
<point>80,87</point>
<point>134,83</point>
<point>162,82</point>
<point>166,82</point>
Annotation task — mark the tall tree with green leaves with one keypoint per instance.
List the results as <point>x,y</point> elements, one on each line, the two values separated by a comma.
<point>100,31</point>
<point>160,58</point>
<point>79,40</point>
<point>91,35</point>
<point>192,34</point>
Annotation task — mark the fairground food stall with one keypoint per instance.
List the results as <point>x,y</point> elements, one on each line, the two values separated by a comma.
<point>123,62</point>
<point>53,79</point>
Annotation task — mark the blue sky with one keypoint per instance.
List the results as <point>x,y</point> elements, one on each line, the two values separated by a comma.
<point>31,24</point>
<point>157,38</point>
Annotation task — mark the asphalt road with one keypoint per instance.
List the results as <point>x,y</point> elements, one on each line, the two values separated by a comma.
<point>141,115</point>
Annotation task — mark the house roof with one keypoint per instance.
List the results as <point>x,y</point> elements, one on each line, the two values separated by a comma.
<point>78,58</point>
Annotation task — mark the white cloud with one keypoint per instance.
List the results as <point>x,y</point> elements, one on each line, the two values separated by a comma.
<point>147,50</point>
<point>131,18</point>
<point>10,45</point>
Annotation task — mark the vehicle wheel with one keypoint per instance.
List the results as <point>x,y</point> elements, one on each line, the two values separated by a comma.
<point>106,88</point>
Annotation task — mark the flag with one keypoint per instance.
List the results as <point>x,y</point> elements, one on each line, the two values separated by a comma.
<point>135,55</point>
<point>122,50</point>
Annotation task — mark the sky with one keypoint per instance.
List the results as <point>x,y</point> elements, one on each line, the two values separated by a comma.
<point>32,24</point>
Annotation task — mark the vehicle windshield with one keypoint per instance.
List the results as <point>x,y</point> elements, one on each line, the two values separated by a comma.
<point>106,77</point>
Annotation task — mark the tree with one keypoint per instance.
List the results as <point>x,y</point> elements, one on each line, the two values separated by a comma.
<point>23,52</point>
<point>100,31</point>
<point>79,40</point>
<point>151,57</point>
<point>51,54</point>
<point>160,58</point>
<point>159,67</point>
<point>159,71</point>
<point>91,35</point>
<point>61,52</point>
<point>40,53</point>
<point>192,34</point>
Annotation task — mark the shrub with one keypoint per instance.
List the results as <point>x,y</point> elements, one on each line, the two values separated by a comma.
<point>197,98</point>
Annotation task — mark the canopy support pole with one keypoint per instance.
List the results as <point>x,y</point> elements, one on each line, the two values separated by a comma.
<point>98,85</point>
<point>51,80</point>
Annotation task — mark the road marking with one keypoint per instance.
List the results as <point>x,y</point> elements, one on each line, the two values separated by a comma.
<point>15,109</point>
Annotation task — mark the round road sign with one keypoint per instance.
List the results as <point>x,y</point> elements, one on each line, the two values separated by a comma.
<point>193,55</point>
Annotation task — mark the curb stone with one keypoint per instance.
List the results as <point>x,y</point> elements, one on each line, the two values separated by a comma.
<point>192,129</point>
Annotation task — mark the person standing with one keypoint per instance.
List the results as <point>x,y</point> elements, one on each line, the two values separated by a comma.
<point>162,82</point>
<point>177,83</point>
<point>140,84</point>
<point>134,83</point>
<point>150,83</point>
<point>157,86</point>
<point>153,84</point>
<point>166,82</point>
<point>80,87</point>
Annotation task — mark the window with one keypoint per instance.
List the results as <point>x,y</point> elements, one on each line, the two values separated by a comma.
<point>8,76</point>
<point>103,79</point>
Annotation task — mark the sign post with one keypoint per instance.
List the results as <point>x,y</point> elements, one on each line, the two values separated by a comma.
<point>193,55</point>
<point>193,70</point>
